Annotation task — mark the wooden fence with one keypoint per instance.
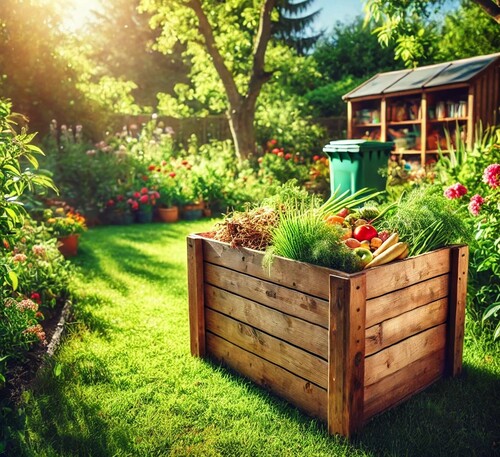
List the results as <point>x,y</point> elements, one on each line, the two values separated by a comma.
<point>217,127</point>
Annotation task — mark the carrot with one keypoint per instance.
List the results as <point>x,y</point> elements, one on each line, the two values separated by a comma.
<point>389,255</point>
<point>391,241</point>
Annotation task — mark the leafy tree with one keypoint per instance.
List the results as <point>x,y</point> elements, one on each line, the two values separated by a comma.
<point>227,44</point>
<point>33,74</point>
<point>345,58</point>
<point>408,24</point>
<point>293,28</point>
<point>121,46</point>
<point>468,32</point>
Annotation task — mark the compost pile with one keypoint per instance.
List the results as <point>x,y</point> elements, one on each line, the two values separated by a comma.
<point>248,229</point>
<point>347,232</point>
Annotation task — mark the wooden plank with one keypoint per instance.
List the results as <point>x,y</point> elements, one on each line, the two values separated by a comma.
<point>196,295</point>
<point>346,354</point>
<point>396,357</point>
<point>269,294</point>
<point>300,333</point>
<point>398,328</point>
<point>393,389</point>
<point>456,319</point>
<point>304,277</point>
<point>287,356</point>
<point>299,392</point>
<point>403,300</point>
<point>396,275</point>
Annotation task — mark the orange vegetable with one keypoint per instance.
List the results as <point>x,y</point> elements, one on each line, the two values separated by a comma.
<point>334,219</point>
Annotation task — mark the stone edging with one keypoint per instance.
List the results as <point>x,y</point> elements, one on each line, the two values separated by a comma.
<point>56,337</point>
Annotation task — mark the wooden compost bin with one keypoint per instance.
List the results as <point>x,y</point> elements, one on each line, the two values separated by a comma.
<point>341,347</point>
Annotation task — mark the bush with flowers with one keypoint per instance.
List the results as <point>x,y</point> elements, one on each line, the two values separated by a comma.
<point>474,183</point>
<point>64,221</point>
<point>167,181</point>
<point>143,200</point>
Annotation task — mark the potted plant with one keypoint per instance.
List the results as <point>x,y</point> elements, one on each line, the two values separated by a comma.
<point>142,203</point>
<point>119,210</point>
<point>168,184</point>
<point>66,224</point>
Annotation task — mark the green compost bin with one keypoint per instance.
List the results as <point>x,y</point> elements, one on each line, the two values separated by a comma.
<point>354,164</point>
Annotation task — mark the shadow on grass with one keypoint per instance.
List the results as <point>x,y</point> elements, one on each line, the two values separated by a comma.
<point>453,417</point>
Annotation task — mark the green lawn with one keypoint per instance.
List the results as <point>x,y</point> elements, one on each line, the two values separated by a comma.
<point>124,383</point>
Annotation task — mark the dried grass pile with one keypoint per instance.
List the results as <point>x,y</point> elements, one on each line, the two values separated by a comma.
<point>249,229</point>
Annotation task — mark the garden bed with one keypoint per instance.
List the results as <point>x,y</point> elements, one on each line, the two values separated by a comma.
<point>341,347</point>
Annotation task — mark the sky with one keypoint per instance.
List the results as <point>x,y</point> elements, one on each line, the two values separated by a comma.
<point>336,10</point>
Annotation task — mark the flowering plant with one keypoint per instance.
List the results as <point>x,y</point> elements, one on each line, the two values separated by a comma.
<point>168,184</point>
<point>484,211</point>
<point>64,221</point>
<point>144,199</point>
<point>119,203</point>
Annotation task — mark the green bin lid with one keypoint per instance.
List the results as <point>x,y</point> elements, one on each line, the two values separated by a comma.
<point>358,146</point>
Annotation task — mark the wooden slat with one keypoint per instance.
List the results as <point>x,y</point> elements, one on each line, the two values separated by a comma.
<point>407,324</point>
<point>396,357</point>
<point>347,354</point>
<point>396,275</point>
<point>299,392</point>
<point>300,276</point>
<point>272,295</point>
<point>291,358</point>
<point>302,334</point>
<point>403,300</point>
<point>195,294</point>
<point>394,389</point>
<point>458,298</point>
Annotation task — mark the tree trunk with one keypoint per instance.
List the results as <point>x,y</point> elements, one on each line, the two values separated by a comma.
<point>241,123</point>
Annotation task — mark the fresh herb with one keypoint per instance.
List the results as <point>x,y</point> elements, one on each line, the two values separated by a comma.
<point>426,220</point>
<point>305,237</point>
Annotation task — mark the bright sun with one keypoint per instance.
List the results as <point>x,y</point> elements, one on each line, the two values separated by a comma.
<point>79,13</point>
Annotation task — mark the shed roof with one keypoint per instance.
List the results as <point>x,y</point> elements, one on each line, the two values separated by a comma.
<point>458,71</point>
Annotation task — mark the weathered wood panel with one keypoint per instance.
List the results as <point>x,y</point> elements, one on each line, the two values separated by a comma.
<point>407,324</point>
<point>396,357</point>
<point>346,354</point>
<point>397,275</point>
<point>269,294</point>
<point>403,300</point>
<point>196,295</point>
<point>303,277</point>
<point>302,334</point>
<point>411,379</point>
<point>287,356</point>
<point>299,392</point>
<point>456,318</point>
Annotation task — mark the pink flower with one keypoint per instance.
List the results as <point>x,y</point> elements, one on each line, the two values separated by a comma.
<point>144,199</point>
<point>475,204</point>
<point>156,194</point>
<point>275,151</point>
<point>491,175</point>
<point>19,258</point>
<point>27,304</point>
<point>135,206</point>
<point>144,190</point>
<point>455,191</point>
<point>288,156</point>
<point>38,250</point>
<point>273,142</point>
<point>137,194</point>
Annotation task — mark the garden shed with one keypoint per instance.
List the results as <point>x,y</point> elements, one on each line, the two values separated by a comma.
<point>416,107</point>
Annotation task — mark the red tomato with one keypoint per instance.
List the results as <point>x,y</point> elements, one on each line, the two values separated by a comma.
<point>364,232</point>
<point>343,212</point>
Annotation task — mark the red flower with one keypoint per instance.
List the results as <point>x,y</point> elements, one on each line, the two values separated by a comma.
<point>172,174</point>
<point>281,154</point>
<point>35,296</point>
<point>151,167</point>
<point>156,195</point>
<point>184,162</point>
<point>110,202</point>
<point>144,199</point>
<point>275,151</point>
<point>120,198</point>
<point>137,194</point>
<point>491,175</point>
<point>273,142</point>
<point>135,206</point>
<point>144,190</point>
<point>316,158</point>
<point>455,191</point>
<point>288,156</point>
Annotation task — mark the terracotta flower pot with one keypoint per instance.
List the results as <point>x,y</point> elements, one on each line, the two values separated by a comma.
<point>68,245</point>
<point>168,214</point>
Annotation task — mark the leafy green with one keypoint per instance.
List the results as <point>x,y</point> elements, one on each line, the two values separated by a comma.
<point>426,220</point>
<point>304,236</point>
